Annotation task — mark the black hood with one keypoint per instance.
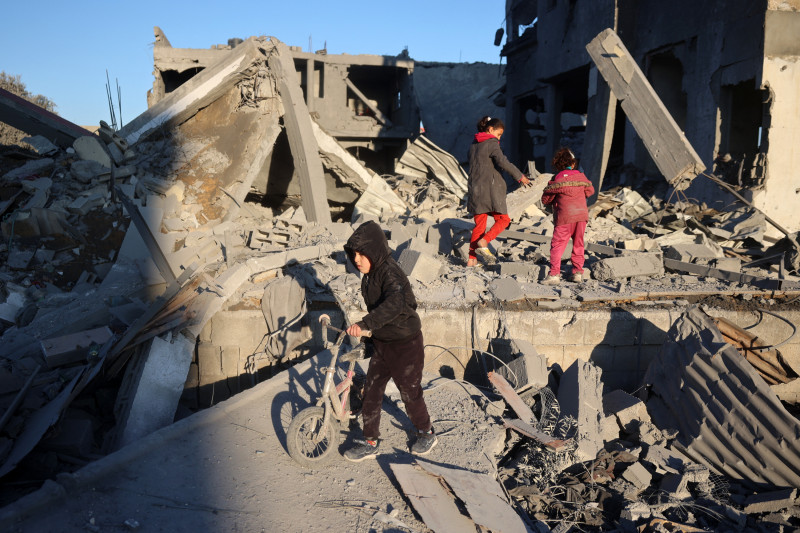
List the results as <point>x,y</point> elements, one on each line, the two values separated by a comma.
<point>369,240</point>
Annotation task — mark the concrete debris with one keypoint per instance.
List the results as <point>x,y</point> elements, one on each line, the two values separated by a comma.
<point>236,248</point>
<point>580,397</point>
<point>643,264</point>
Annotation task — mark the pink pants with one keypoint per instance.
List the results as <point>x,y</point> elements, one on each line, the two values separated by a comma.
<point>561,236</point>
<point>501,222</point>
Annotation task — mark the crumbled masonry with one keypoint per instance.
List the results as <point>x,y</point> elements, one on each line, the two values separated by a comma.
<point>152,273</point>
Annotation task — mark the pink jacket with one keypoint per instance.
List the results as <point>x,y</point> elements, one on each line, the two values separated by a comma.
<point>567,193</point>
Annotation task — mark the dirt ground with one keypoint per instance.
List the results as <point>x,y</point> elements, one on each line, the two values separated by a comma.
<point>227,469</point>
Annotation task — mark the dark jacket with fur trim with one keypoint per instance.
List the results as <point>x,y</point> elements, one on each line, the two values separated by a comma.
<point>390,301</point>
<point>567,193</point>
<point>486,187</point>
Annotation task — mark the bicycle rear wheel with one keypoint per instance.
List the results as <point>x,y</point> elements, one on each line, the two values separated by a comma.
<point>308,442</point>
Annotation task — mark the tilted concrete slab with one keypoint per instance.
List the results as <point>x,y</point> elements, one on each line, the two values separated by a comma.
<point>35,120</point>
<point>671,151</point>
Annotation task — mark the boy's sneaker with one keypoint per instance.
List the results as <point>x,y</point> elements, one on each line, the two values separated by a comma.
<point>576,278</point>
<point>425,443</point>
<point>551,280</point>
<point>363,449</point>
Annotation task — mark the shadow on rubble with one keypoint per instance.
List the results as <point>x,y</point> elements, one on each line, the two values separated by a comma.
<point>629,345</point>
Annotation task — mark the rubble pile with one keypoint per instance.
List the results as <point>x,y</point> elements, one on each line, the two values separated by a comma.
<point>162,268</point>
<point>646,473</point>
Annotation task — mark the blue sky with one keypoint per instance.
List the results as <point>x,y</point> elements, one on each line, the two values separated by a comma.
<point>62,49</point>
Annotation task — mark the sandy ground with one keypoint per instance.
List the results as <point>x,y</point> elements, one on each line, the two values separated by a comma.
<point>227,469</point>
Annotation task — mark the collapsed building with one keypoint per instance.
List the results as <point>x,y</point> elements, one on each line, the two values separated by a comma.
<point>167,266</point>
<point>727,74</point>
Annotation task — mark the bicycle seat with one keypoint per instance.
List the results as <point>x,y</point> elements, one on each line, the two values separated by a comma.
<point>354,354</point>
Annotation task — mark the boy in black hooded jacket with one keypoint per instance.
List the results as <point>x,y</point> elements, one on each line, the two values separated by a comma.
<point>396,335</point>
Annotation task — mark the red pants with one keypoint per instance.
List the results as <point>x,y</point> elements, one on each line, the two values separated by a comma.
<point>561,236</point>
<point>501,222</point>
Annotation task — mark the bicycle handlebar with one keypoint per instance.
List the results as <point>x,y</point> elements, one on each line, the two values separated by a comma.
<point>325,320</point>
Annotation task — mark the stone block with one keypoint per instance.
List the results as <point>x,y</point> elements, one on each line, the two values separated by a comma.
<point>553,352</point>
<point>627,409</point>
<point>418,245</point>
<point>730,264</point>
<point>675,485</point>
<point>91,148</point>
<point>506,289</point>
<point>520,269</point>
<point>73,347</point>
<point>579,395</point>
<point>638,476</point>
<point>245,328</point>
<point>440,236</point>
<point>35,167</point>
<point>209,363</point>
<point>689,252</point>
<point>419,266</point>
<point>83,204</point>
<point>770,502</point>
<point>525,366</point>
<point>609,428</point>
<point>627,266</point>
<point>159,388</point>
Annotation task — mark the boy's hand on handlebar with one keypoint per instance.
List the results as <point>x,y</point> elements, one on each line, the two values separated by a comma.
<point>354,330</point>
<point>524,181</point>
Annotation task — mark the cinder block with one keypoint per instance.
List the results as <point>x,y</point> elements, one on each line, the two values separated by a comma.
<point>553,352</point>
<point>676,486</point>
<point>627,266</point>
<point>689,252</point>
<point>419,266</point>
<point>209,362</point>
<point>731,264</point>
<point>638,475</point>
<point>245,328</point>
<point>231,361</point>
<point>525,366</point>
<point>627,409</point>
<point>522,269</point>
<point>770,502</point>
<point>418,245</point>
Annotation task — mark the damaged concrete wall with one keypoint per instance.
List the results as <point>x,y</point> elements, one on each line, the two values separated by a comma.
<point>452,97</point>
<point>731,85</point>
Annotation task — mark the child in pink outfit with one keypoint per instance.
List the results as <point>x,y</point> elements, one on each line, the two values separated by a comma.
<point>567,193</point>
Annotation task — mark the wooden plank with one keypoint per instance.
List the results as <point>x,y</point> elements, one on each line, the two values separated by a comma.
<point>530,431</point>
<point>435,505</point>
<point>668,146</point>
<point>511,397</point>
<point>383,119</point>
<point>297,121</point>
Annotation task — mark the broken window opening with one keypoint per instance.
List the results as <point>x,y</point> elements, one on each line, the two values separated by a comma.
<point>665,74</point>
<point>174,79</point>
<point>743,111</point>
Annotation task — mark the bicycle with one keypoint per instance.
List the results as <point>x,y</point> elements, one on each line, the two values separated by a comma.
<point>313,433</point>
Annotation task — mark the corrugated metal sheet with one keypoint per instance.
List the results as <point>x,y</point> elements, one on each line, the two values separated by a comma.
<point>726,414</point>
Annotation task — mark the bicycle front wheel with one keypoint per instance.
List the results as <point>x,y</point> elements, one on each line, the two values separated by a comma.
<point>308,442</point>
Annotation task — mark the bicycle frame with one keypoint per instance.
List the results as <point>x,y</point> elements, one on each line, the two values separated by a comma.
<point>334,397</point>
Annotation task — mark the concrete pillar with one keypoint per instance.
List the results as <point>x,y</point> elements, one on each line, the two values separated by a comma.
<point>553,104</point>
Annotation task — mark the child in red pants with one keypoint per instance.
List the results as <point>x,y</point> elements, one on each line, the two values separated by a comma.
<point>567,193</point>
<point>486,187</point>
